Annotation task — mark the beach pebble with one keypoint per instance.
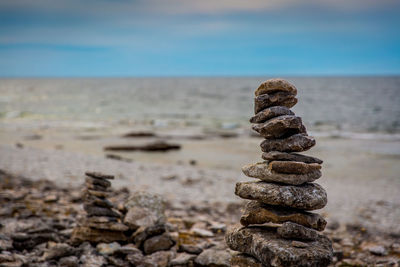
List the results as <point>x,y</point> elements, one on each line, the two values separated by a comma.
<point>280,126</point>
<point>255,241</point>
<point>294,143</point>
<point>274,85</point>
<point>294,167</point>
<point>263,172</point>
<point>213,257</point>
<point>274,99</point>
<point>258,213</point>
<point>270,113</point>
<point>157,243</point>
<point>244,260</point>
<point>309,196</point>
<point>277,155</point>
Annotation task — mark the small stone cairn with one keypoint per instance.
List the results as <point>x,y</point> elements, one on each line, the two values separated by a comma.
<point>102,223</point>
<point>284,193</point>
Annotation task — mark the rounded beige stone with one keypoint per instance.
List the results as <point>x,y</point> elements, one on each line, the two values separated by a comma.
<point>275,85</point>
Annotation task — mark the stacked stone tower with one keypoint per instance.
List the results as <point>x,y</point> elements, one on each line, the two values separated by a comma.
<point>277,227</point>
<point>102,222</point>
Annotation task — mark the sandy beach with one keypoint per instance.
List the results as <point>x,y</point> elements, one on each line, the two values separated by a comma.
<point>361,176</point>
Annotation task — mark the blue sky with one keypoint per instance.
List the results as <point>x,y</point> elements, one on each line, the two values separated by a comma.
<point>199,37</point>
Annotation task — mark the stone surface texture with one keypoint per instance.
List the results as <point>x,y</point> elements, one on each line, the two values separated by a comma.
<point>290,230</point>
<point>264,244</point>
<point>309,196</point>
<point>294,143</point>
<point>277,155</point>
<point>259,213</point>
<point>275,85</point>
<point>279,126</point>
<point>295,167</point>
<point>263,171</point>
<point>270,113</point>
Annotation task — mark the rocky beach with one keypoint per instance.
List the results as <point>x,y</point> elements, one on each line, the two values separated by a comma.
<point>190,170</point>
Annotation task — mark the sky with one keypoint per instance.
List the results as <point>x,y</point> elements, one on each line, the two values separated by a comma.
<point>74,38</point>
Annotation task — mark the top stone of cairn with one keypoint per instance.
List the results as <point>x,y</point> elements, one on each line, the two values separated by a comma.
<point>276,85</point>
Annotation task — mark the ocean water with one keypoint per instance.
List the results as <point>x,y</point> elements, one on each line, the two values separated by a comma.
<point>341,104</point>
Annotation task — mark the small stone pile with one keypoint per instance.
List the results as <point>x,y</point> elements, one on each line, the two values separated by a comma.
<point>285,192</point>
<point>102,223</point>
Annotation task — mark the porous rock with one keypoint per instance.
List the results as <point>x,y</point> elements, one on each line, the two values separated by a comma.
<point>277,155</point>
<point>308,196</point>
<point>275,85</point>
<point>280,126</point>
<point>290,230</point>
<point>263,243</point>
<point>294,143</point>
<point>259,213</point>
<point>263,172</point>
<point>270,113</point>
<point>274,99</point>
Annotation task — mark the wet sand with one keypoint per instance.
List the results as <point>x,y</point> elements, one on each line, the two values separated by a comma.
<point>361,176</point>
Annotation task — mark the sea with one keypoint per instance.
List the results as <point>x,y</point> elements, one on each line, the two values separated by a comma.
<point>344,106</point>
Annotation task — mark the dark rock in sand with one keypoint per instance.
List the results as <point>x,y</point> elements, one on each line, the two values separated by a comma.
<point>279,126</point>
<point>118,157</point>
<point>158,243</point>
<point>99,175</point>
<point>139,134</point>
<point>213,258</point>
<point>275,99</point>
<point>82,234</point>
<point>244,260</point>
<point>290,230</point>
<point>143,233</point>
<point>294,143</point>
<point>294,167</point>
<point>96,181</point>
<point>264,244</point>
<point>308,196</point>
<point>259,213</point>
<point>270,113</point>
<point>283,156</point>
<point>263,172</point>
<point>153,146</point>
<point>275,85</point>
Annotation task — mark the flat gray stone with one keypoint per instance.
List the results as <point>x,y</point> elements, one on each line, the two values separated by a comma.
<point>280,126</point>
<point>259,213</point>
<point>290,230</point>
<point>294,143</point>
<point>265,244</point>
<point>96,181</point>
<point>270,113</point>
<point>263,172</point>
<point>112,226</point>
<point>274,99</point>
<point>275,85</point>
<point>277,155</point>
<point>97,201</point>
<point>308,196</point>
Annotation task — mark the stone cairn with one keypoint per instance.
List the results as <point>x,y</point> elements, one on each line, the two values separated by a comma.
<point>285,192</point>
<point>102,223</point>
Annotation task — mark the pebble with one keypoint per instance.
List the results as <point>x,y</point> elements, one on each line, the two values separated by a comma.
<point>274,99</point>
<point>270,113</point>
<point>290,230</point>
<point>277,155</point>
<point>264,172</point>
<point>258,213</point>
<point>294,143</point>
<point>213,257</point>
<point>275,85</point>
<point>309,196</point>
